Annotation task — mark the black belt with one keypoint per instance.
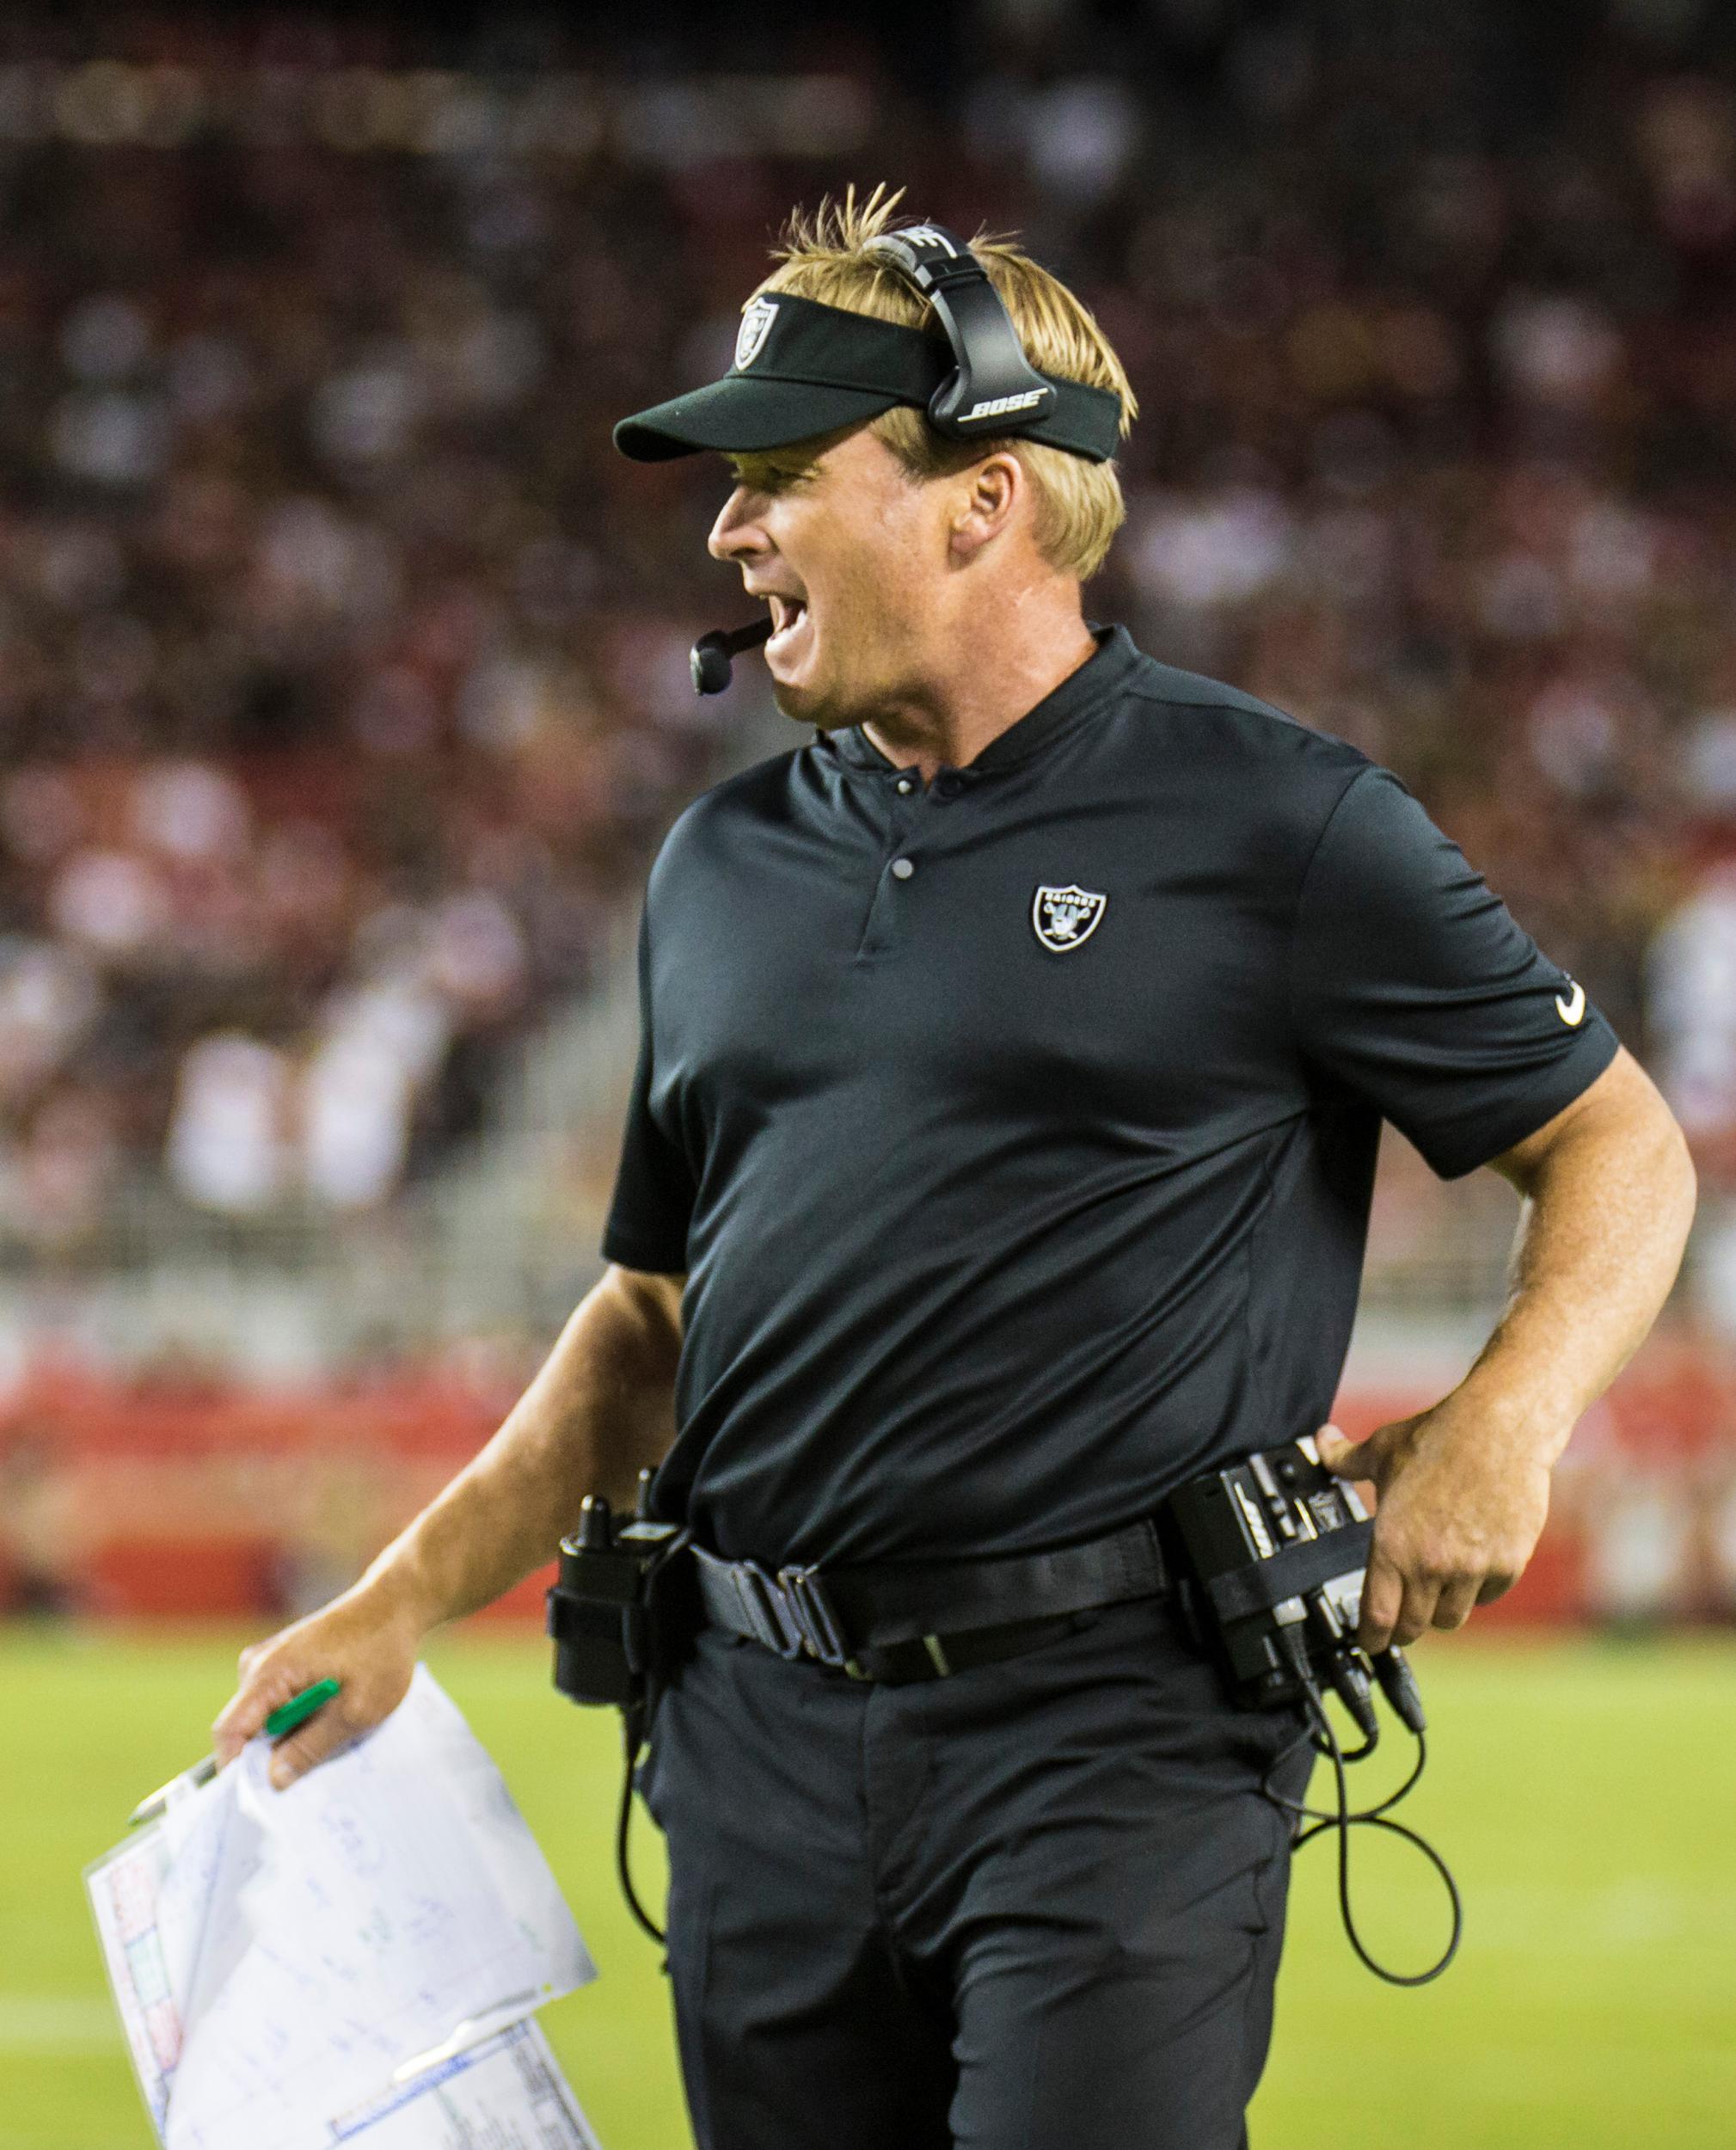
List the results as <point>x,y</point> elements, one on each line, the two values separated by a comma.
<point>922,1621</point>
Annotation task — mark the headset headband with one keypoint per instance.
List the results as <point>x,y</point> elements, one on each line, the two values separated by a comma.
<point>992,380</point>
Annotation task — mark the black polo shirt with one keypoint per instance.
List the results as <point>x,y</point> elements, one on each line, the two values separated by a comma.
<point>1016,1132</point>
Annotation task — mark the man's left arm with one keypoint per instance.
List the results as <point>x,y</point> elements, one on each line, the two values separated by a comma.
<point>1607,1191</point>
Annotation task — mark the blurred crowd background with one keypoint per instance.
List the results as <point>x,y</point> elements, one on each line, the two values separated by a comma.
<point>343,692</point>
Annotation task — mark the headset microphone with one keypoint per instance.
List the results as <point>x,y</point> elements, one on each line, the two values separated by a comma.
<point>709,658</point>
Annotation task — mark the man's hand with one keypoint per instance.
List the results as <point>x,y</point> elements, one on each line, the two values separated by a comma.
<point>368,1639</point>
<point>1460,1513</point>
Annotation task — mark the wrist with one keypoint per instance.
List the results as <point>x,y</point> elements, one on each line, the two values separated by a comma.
<point>1485,1416</point>
<point>398,1592</point>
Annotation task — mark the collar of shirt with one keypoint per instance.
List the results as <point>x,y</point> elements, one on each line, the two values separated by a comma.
<point>1097,681</point>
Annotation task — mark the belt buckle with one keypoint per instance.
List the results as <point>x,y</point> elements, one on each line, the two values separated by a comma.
<point>771,1618</point>
<point>810,1605</point>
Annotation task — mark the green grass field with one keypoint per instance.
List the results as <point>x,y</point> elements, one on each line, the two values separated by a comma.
<point>1582,1791</point>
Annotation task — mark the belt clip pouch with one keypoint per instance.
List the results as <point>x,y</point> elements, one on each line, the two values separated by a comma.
<point>615,1591</point>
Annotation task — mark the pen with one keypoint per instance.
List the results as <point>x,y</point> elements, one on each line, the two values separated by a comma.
<point>284,1719</point>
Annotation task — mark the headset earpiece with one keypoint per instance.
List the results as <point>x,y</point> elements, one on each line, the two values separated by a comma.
<point>992,380</point>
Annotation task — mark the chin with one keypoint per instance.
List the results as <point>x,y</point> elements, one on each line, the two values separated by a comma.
<point>824,702</point>
<point>806,701</point>
<point>796,703</point>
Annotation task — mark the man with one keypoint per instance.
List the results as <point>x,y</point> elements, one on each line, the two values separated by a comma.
<point>999,1158</point>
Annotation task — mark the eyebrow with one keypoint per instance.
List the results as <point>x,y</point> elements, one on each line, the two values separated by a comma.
<point>767,465</point>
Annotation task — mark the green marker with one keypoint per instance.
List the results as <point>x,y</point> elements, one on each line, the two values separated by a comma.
<point>300,1707</point>
<point>284,1719</point>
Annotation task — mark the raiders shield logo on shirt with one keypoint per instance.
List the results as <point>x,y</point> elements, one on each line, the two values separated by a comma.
<point>1065,918</point>
<point>756,317</point>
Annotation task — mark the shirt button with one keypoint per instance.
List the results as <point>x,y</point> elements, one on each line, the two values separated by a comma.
<point>905,784</point>
<point>948,787</point>
<point>903,869</point>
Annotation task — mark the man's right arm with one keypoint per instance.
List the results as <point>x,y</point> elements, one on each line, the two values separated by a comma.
<point>599,1411</point>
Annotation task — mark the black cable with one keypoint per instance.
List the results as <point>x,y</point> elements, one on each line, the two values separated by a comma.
<point>1343,1820</point>
<point>1321,1815</point>
<point>631,1736</point>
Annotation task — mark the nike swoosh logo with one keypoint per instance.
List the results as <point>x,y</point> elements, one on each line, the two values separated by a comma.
<point>1571,1011</point>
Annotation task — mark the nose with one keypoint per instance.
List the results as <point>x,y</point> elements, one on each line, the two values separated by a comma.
<point>736,535</point>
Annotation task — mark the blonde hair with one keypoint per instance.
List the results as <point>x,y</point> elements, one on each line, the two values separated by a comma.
<point>1078,503</point>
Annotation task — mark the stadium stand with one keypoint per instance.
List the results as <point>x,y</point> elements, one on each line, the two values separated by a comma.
<point>342,679</point>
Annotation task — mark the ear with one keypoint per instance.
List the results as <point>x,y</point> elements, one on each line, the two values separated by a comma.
<point>990,495</point>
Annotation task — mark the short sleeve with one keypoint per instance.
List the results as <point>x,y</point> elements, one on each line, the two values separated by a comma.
<point>654,1191</point>
<point>1414,986</point>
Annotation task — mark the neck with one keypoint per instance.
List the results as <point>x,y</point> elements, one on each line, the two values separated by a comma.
<point>983,681</point>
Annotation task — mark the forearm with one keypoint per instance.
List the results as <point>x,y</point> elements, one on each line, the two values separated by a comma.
<point>1601,1235</point>
<point>599,1410</point>
<point>1464,1487</point>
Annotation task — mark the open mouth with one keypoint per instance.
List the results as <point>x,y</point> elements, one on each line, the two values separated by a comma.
<point>787,615</point>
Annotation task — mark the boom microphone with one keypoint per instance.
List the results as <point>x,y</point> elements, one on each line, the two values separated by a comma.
<point>709,657</point>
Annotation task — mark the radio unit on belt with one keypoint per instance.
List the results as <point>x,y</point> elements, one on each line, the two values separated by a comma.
<point>612,1616</point>
<point>1270,1555</point>
<point>1273,1554</point>
<point>600,1611</point>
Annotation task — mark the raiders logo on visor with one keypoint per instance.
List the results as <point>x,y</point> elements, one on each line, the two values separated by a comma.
<point>756,317</point>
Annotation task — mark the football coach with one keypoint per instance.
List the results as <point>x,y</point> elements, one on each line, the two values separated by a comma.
<point>1014,1052</point>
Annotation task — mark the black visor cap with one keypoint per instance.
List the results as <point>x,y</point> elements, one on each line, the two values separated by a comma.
<point>802,369</point>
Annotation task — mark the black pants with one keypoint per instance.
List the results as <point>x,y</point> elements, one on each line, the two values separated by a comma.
<point>1037,1905</point>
